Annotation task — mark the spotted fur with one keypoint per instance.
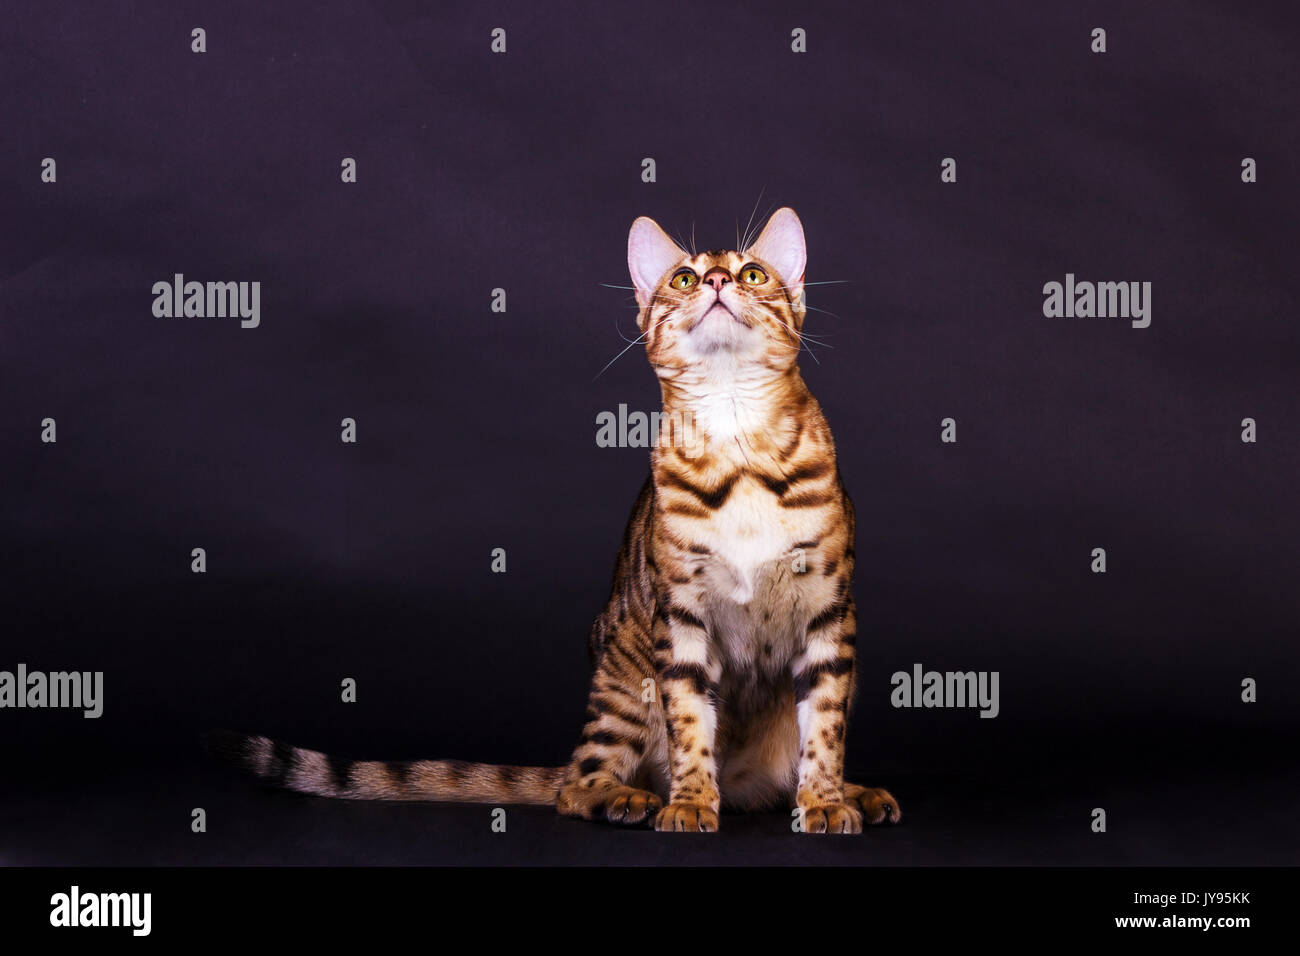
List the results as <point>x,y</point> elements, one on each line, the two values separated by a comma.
<point>724,658</point>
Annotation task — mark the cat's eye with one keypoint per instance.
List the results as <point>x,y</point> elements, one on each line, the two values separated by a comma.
<point>684,280</point>
<point>752,275</point>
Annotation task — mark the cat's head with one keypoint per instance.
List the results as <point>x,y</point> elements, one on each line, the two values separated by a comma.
<point>732,310</point>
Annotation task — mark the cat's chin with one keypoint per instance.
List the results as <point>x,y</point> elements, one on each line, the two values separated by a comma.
<point>706,340</point>
<point>718,316</point>
<point>736,345</point>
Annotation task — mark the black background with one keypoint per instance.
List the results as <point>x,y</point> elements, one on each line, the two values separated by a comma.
<point>477,430</point>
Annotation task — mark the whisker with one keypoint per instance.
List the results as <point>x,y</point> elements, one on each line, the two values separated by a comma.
<point>757,228</point>
<point>634,342</point>
<point>637,341</point>
<point>745,245</point>
<point>681,244</point>
<point>810,308</point>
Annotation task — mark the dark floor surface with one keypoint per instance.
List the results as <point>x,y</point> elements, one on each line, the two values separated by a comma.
<point>1157,815</point>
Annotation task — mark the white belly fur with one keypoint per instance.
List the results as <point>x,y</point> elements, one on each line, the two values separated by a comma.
<point>755,596</point>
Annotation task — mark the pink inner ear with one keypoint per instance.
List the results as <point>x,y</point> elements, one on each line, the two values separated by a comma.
<point>650,253</point>
<point>781,245</point>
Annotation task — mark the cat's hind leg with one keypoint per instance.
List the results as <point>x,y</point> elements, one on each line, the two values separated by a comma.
<point>601,780</point>
<point>609,801</point>
<point>622,738</point>
<point>875,804</point>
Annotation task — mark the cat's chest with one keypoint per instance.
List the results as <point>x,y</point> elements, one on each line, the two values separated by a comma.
<point>753,583</point>
<point>751,540</point>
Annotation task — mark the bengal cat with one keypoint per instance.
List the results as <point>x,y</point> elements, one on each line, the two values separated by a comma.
<point>724,658</point>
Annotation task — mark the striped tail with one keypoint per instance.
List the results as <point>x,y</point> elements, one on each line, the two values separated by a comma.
<point>309,771</point>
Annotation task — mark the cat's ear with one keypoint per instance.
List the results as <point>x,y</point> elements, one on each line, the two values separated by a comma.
<point>650,253</point>
<point>781,246</point>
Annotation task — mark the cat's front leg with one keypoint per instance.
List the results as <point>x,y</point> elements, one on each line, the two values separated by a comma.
<point>688,685</point>
<point>823,686</point>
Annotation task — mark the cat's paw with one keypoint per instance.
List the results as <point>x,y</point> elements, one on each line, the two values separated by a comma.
<point>613,802</point>
<point>832,818</point>
<point>628,805</point>
<point>684,817</point>
<point>876,805</point>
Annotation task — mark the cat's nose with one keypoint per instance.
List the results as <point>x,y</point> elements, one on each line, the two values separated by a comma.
<point>717,277</point>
